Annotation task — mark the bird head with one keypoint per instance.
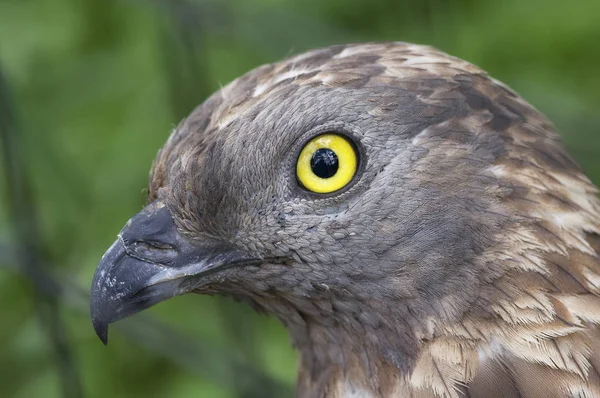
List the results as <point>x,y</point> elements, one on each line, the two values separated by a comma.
<point>366,195</point>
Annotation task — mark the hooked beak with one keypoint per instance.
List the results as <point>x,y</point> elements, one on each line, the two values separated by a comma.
<point>148,263</point>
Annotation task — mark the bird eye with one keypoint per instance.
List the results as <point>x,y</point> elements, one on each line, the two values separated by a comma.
<point>327,163</point>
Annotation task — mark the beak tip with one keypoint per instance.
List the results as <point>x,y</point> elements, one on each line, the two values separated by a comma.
<point>101,329</point>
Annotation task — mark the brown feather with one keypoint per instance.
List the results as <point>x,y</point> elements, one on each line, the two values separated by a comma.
<point>524,324</point>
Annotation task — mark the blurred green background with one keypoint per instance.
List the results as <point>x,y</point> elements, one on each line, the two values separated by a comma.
<point>89,90</point>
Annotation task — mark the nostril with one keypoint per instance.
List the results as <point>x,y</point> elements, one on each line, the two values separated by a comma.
<point>152,251</point>
<point>155,244</point>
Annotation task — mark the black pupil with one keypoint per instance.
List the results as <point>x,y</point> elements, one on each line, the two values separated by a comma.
<point>324,163</point>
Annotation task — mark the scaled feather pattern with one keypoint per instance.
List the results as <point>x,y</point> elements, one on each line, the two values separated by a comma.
<point>462,261</point>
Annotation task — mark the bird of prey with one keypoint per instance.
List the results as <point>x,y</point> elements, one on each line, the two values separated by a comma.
<point>414,223</point>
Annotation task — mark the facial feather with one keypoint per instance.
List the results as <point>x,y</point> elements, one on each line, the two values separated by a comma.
<point>464,256</point>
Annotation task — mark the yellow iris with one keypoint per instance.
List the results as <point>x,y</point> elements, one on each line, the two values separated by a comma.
<point>340,160</point>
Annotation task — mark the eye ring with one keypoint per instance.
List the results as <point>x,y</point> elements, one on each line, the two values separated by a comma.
<point>327,163</point>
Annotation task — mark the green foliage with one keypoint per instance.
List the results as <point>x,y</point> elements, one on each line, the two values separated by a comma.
<point>97,85</point>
